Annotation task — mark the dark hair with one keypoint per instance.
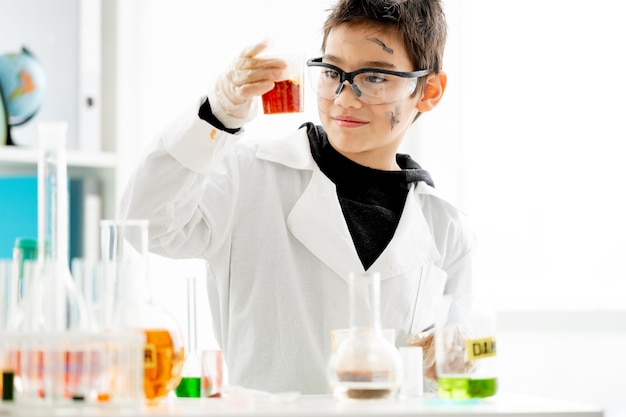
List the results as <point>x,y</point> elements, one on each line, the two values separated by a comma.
<point>421,25</point>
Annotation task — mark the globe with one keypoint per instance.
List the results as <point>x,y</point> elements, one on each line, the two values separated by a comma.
<point>22,85</point>
<point>4,127</point>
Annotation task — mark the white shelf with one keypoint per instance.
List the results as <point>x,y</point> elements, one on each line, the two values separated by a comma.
<point>16,161</point>
<point>13,157</point>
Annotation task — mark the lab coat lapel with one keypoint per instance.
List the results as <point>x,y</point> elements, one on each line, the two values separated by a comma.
<point>317,221</point>
<point>412,245</point>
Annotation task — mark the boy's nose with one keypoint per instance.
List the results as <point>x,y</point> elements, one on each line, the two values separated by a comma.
<point>355,88</point>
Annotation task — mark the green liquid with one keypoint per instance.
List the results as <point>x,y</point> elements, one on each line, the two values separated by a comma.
<point>465,388</point>
<point>189,387</point>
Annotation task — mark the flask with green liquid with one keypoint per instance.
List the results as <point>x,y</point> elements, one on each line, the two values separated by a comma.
<point>190,383</point>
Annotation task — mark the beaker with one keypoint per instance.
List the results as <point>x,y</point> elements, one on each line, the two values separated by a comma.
<point>465,347</point>
<point>125,253</point>
<point>212,361</point>
<point>366,365</point>
<point>287,96</point>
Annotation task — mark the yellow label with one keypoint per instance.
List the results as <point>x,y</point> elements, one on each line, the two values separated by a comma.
<point>480,348</point>
<point>149,356</point>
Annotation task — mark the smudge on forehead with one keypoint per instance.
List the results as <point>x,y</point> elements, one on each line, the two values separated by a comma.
<point>382,45</point>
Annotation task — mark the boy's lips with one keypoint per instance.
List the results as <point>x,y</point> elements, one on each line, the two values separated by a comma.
<point>348,121</point>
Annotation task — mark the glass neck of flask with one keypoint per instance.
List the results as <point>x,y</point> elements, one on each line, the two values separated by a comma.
<point>133,282</point>
<point>125,251</point>
<point>53,211</point>
<point>365,301</point>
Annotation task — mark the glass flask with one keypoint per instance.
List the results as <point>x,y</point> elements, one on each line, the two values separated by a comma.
<point>366,365</point>
<point>190,383</point>
<point>125,254</point>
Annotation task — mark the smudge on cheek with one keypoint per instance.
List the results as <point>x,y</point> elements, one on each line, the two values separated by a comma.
<point>394,118</point>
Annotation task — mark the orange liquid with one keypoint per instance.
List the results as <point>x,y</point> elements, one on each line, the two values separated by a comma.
<point>285,97</point>
<point>162,365</point>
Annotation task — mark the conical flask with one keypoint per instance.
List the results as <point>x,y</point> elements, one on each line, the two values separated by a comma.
<point>190,383</point>
<point>125,253</point>
<point>366,365</point>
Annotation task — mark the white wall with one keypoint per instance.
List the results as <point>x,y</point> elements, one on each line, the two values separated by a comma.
<point>528,140</point>
<point>543,107</point>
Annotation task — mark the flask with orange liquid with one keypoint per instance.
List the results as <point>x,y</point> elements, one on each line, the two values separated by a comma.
<point>125,254</point>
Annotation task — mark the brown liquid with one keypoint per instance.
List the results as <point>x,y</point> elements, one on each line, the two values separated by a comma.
<point>371,384</point>
<point>368,394</point>
<point>162,365</point>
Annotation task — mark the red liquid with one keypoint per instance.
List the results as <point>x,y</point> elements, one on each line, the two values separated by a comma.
<point>285,97</point>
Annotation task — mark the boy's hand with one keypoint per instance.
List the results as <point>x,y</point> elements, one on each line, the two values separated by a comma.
<point>456,362</point>
<point>248,76</point>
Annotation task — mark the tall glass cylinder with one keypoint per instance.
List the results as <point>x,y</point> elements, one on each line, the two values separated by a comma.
<point>125,254</point>
<point>53,304</point>
<point>366,365</point>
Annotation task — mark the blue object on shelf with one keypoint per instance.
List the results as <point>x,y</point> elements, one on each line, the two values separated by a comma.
<point>18,211</point>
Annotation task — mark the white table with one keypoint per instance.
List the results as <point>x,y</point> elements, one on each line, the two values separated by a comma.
<point>502,405</point>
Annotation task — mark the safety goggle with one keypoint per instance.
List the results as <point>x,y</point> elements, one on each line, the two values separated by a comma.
<point>370,85</point>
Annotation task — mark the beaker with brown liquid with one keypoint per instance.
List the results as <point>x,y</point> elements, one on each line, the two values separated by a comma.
<point>125,254</point>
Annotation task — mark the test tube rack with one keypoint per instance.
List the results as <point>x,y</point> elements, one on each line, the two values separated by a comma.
<point>59,370</point>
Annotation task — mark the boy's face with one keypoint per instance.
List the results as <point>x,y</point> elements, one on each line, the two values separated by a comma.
<point>368,134</point>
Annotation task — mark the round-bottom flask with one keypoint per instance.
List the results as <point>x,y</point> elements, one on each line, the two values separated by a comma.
<point>124,249</point>
<point>365,365</point>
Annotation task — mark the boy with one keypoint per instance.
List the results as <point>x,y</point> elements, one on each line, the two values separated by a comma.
<point>282,223</point>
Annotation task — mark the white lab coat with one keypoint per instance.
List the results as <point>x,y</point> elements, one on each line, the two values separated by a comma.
<point>278,250</point>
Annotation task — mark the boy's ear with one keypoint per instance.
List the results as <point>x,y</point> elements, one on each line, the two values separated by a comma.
<point>433,91</point>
